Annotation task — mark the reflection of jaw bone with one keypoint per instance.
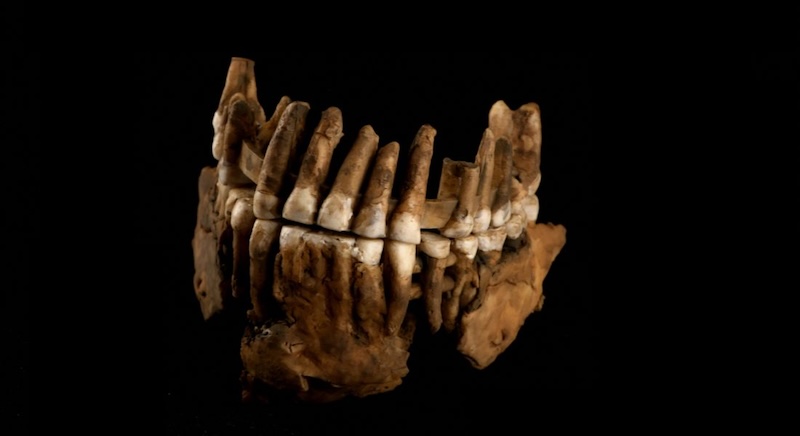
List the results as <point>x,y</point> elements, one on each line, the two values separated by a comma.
<point>474,255</point>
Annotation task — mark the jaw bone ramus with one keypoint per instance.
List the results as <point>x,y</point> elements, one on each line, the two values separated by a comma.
<point>333,275</point>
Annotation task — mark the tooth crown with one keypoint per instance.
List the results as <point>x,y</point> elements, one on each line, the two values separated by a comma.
<point>369,253</point>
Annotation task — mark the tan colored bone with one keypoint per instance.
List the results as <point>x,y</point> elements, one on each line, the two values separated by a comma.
<point>485,159</point>
<point>240,79</point>
<point>401,257</point>
<point>436,249</point>
<point>336,211</point>
<point>263,246</point>
<point>462,220</point>
<point>371,219</point>
<point>275,166</point>
<point>404,225</point>
<point>501,208</point>
<point>302,204</point>
<point>242,220</point>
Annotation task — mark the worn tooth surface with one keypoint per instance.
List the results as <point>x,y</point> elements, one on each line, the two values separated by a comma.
<point>275,166</point>
<point>434,245</point>
<point>401,257</point>
<point>501,207</point>
<point>373,209</point>
<point>462,220</point>
<point>485,160</point>
<point>407,215</point>
<point>336,211</point>
<point>302,204</point>
<point>468,246</point>
<point>492,239</point>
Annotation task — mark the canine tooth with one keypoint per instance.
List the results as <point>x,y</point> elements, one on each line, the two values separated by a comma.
<point>301,206</point>
<point>242,220</point>
<point>492,239</point>
<point>263,246</point>
<point>274,168</point>
<point>434,245</point>
<point>485,159</point>
<point>401,257</point>
<point>407,215</point>
<point>501,208</point>
<point>336,211</point>
<point>371,219</point>
<point>462,220</point>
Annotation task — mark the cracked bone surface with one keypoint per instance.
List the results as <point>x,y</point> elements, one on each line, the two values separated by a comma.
<point>338,274</point>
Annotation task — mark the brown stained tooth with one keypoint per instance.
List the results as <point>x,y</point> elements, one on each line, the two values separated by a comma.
<point>501,208</point>
<point>242,220</point>
<point>417,265</point>
<point>267,129</point>
<point>369,299</point>
<point>523,128</point>
<point>275,166</point>
<point>263,246</point>
<point>407,215</point>
<point>437,249</point>
<point>239,129</point>
<point>290,245</point>
<point>518,221</point>
<point>371,219</point>
<point>450,180</point>
<point>464,278</point>
<point>492,239</point>
<point>467,246</point>
<point>401,257</point>
<point>241,79</point>
<point>340,298</point>
<point>462,220</point>
<point>302,204</point>
<point>485,159</point>
<point>336,211</point>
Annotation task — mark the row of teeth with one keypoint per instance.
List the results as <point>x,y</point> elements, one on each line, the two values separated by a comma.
<point>481,203</point>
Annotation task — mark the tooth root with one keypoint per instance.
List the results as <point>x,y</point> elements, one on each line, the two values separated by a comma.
<point>336,211</point>
<point>501,208</point>
<point>407,215</point>
<point>450,180</point>
<point>340,297</point>
<point>434,245</point>
<point>263,246</point>
<point>462,220</point>
<point>241,79</point>
<point>485,159</point>
<point>240,128</point>
<point>464,276</point>
<point>301,206</point>
<point>401,257</point>
<point>275,166</point>
<point>371,219</point>
<point>370,300</point>
<point>432,284</point>
<point>267,129</point>
<point>242,220</point>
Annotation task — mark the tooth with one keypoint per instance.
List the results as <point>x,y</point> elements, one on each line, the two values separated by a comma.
<point>462,220</point>
<point>451,258</point>
<point>518,221</point>
<point>340,297</point>
<point>501,120</point>
<point>267,129</point>
<point>263,246</point>
<point>274,168</point>
<point>485,159</point>
<point>401,257</point>
<point>492,239</point>
<point>337,209</point>
<point>407,215</point>
<point>531,207</point>
<point>241,79</point>
<point>370,301</point>
<point>301,206</point>
<point>371,219</point>
<point>437,250</point>
<point>240,128</point>
<point>450,180</point>
<point>464,272</point>
<point>242,220</point>
<point>368,251</point>
<point>468,246</point>
<point>524,129</point>
<point>501,208</point>
<point>417,265</point>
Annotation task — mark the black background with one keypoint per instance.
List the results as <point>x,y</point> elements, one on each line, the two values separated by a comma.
<point>395,93</point>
